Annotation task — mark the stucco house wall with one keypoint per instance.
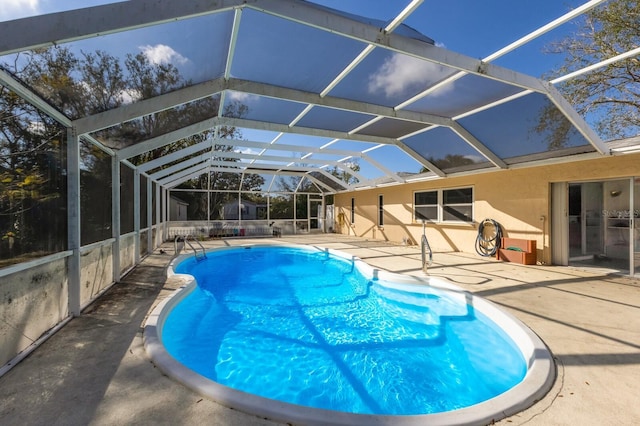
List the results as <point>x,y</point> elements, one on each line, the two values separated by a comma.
<point>519,199</point>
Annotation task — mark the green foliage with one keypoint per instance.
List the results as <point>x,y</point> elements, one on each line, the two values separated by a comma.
<point>610,95</point>
<point>32,148</point>
<point>343,173</point>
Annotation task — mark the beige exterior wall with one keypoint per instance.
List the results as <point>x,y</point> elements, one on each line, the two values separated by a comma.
<point>516,198</point>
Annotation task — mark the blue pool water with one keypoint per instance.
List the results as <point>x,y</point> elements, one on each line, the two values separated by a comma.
<point>306,327</point>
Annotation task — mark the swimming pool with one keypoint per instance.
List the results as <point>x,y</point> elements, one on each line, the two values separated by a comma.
<point>223,337</point>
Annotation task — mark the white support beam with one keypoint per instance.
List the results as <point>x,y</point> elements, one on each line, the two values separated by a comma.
<point>285,160</point>
<point>411,7</point>
<point>73,223</point>
<point>115,217</point>
<point>237,18</point>
<point>172,184</point>
<point>299,184</point>
<point>322,187</point>
<point>420,159</point>
<point>480,147</point>
<point>314,16</point>
<point>145,107</point>
<point>287,147</point>
<point>365,125</point>
<point>404,14</point>
<point>491,105</point>
<point>98,144</point>
<point>169,158</point>
<point>62,27</point>
<point>161,174</point>
<point>198,169</point>
<point>232,167</point>
<point>166,205</point>
<point>28,95</point>
<point>629,54</point>
<point>345,72</point>
<point>235,167</point>
<point>576,119</point>
<point>277,92</point>
<point>136,216</point>
<point>274,127</point>
<point>149,217</point>
<point>509,48</point>
<point>544,29</point>
<point>158,223</point>
<point>167,138</point>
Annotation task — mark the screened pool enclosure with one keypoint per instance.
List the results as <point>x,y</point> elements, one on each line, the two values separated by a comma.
<point>125,124</point>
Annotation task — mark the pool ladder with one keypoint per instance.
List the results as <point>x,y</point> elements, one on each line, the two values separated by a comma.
<point>199,252</point>
<point>425,247</point>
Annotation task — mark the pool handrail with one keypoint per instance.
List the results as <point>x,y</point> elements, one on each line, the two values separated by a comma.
<point>424,245</point>
<point>186,239</point>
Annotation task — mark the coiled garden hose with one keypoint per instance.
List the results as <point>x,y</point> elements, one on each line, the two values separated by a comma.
<point>488,242</point>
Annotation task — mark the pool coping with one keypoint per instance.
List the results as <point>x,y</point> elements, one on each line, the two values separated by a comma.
<point>538,381</point>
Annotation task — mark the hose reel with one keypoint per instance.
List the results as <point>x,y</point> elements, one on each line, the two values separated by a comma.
<point>489,237</point>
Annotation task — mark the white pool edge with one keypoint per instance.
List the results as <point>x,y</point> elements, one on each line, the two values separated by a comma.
<point>538,381</point>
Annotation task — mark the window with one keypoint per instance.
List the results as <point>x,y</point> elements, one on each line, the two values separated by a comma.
<point>457,205</point>
<point>353,210</point>
<point>445,205</point>
<point>425,206</point>
<point>380,210</point>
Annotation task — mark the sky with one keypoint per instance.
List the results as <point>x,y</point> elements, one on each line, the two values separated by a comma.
<point>470,27</point>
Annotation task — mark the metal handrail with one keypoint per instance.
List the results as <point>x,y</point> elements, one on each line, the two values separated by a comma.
<point>187,239</point>
<point>175,244</point>
<point>424,246</point>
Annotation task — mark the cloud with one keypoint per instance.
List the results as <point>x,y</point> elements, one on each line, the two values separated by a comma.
<point>400,72</point>
<point>163,54</point>
<point>241,97</point>
<point>476,158</point>
<point>129,96</point>
<point>248,151</point>
<point>14,9</point>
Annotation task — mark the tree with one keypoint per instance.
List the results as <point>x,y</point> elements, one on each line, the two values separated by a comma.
<point>608,96</point>
<point>32,186</point>
<point>32,175</point>
<point>343,174</point>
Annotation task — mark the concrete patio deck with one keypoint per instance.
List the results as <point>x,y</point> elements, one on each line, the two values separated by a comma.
<point>95,371</point>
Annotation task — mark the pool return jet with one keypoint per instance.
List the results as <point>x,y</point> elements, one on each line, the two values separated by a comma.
<point>425,247</point>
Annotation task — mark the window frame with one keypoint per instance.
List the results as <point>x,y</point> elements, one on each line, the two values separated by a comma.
<point>436,205</point>
<point>441,206</point>
<point>470,204</point>
<point>353,210</point>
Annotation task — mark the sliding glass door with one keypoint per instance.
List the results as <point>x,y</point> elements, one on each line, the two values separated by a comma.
<point>604,230</point>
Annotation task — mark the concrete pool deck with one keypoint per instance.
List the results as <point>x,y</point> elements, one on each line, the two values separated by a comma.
<point>95,371</point>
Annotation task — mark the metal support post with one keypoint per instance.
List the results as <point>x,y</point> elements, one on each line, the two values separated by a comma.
<point>73,218</point>
<point>115,216</point>
<point>136,216</point>
<point>149,218</point>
